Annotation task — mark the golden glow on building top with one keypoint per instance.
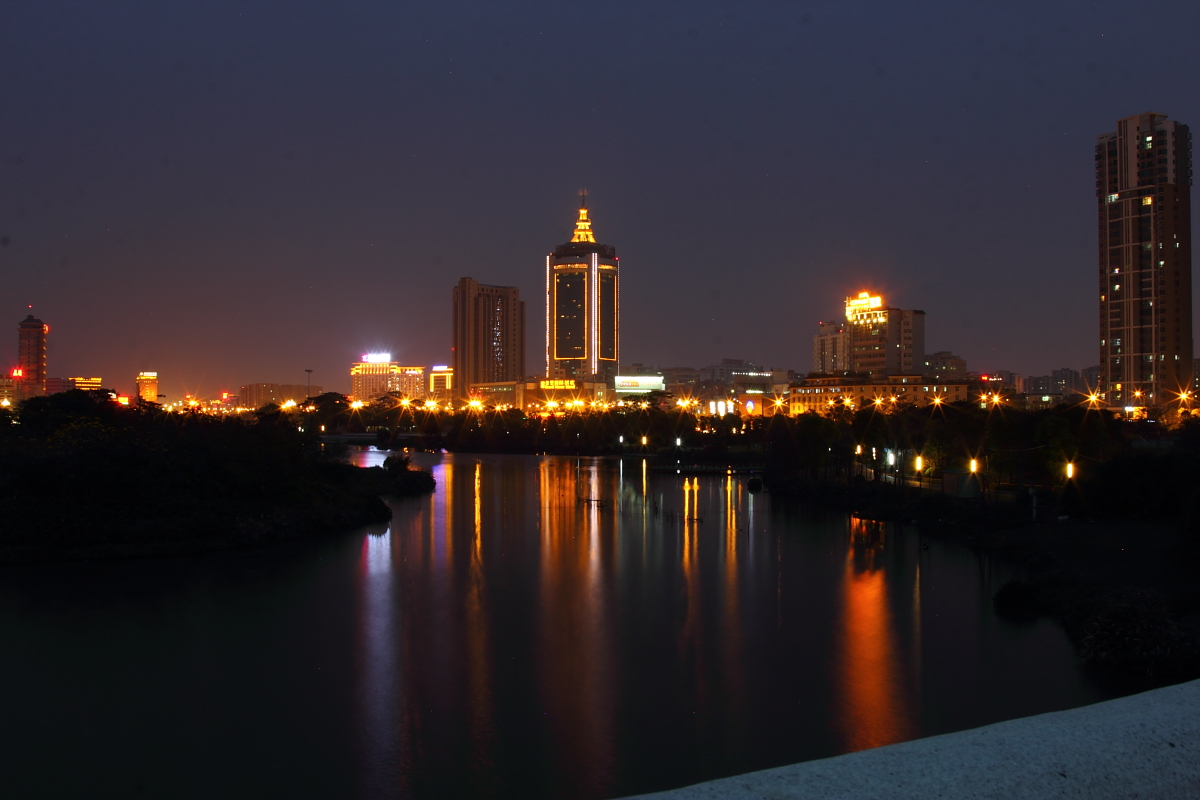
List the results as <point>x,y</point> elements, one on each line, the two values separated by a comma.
<point>858,309</point>
<point>583,228</point>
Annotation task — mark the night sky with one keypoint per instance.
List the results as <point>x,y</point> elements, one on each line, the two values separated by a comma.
<point>233,192</point>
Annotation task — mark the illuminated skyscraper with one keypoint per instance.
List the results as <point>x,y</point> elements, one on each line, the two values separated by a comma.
<point>1144,206</point>
<point>583,306</point>
<point>31,356</point>
<point>489,335</point>
<point>147,386</point>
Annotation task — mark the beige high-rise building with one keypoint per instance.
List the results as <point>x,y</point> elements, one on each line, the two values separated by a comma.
<point>147,387</point>
<point>884,340</point>
<point>488,336</point>
<point>1144,209</point>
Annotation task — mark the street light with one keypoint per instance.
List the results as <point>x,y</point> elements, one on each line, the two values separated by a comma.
<point>1070,470</point>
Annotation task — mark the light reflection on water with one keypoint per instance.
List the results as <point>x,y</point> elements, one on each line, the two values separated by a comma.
<point>538,627</point>
<point>583,635</point>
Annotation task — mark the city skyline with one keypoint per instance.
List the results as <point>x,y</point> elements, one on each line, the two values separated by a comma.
<point>203,194</point>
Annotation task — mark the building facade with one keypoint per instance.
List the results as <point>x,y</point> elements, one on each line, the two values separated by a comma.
<point>31,357</point>
<point>825,394</point>
<point>147,387</point>
<point>488,336</point>
<point>441,382</point>
<point>583,307</point>
<point>1143,198</point>
<point>377,375</point>
<point>883,340</point>
<point>831,347</point>
<point>256,395</point>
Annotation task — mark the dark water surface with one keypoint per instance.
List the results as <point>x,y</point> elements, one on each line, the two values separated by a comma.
<point>504,638</point>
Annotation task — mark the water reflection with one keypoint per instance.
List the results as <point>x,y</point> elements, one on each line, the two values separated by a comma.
<point>565,632</point>
<point>872,686</point>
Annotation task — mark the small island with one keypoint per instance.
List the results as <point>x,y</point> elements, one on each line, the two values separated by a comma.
<point>82,476</point>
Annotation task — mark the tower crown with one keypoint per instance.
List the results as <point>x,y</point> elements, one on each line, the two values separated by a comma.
<point>583,228</point>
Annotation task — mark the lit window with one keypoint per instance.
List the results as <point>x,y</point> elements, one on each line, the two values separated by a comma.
<point>1146,201</point>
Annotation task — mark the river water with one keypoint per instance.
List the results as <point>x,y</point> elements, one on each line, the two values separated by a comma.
<point>510,636</point>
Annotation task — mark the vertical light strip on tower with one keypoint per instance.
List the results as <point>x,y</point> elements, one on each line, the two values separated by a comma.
<point>594,302</point>
<point>548,316</point>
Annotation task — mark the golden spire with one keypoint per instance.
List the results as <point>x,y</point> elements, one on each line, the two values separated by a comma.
<point>583,226</point>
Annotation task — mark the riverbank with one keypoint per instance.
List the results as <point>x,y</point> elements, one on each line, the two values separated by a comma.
<point>1138,746</point>
<point>83,477</point>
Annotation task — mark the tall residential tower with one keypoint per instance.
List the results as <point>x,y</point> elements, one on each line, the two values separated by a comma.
<point>31,356</point>
<point>489,335</point>
<point>1143,193</point>
<point>583,306</point>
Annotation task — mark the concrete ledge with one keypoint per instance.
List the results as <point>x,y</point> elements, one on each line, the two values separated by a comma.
<point>1146,745</point>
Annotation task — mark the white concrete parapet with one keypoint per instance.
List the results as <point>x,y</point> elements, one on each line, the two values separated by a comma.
<point>1145,745</point>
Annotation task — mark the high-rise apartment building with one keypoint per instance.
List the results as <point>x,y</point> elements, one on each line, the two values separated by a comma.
<point>583,307</point>
<point>831,347</point>
<point>31,356</point>
<point>1143,195</point>
<point>489,334</point>
<point>884,340</point>
<point>147,387</point>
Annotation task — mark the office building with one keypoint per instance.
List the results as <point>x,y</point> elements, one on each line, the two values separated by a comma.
<point>583,307</point>
<point>441,383</point>
<point>377,375</point>
<point>1143,198</point>
<point>944,365</point>
<point>256,395</point>
<point>884,340</point>
<point>147,387</point>
<point>489,334</point>
<point>59,385</point>
<point>831,347</point>
<point>86,383</point>
<point>31,357</point>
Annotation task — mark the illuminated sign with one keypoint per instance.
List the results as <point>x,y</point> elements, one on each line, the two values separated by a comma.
<point>18,372</point>
<point>639,384</point>
<point>864,302</point>
<point>558,383</point>
<point>376,358</point>
<point>442,368</point>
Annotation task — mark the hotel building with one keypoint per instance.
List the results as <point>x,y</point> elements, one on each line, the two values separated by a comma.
<point>147,387</point>
<point>1143,199</point>
<point>377,375</point>
<point>884,341</point>
<point>583,307</point>
<point>489,335</point>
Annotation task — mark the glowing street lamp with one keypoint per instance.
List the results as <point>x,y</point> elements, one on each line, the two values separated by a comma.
<point>1070,470</point>
<point>974,465</point>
